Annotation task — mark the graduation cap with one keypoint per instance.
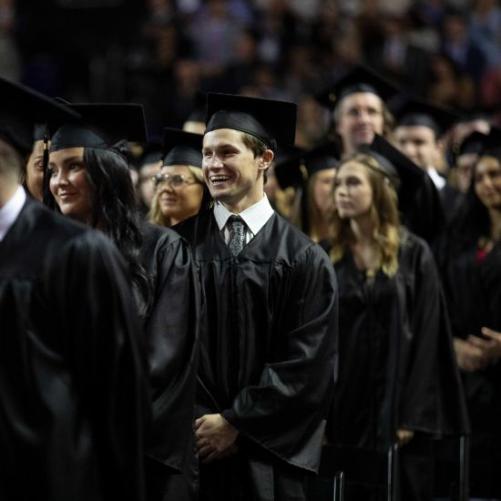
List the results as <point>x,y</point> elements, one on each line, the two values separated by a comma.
<point>182,148</point>
<point>405,175</point>
<point>273,122</point>
<point>300,165</point>
<point>472,143</point>
<point>22,108</point>
<point>418,199</point>
<point>410,111</point>
<point>492,143</point>
<point>152,153</point>
<point>358,79</point>
<point>101,126</point>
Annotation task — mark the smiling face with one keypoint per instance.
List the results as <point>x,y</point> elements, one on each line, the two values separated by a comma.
<point>180,194</point>
<point>487,182</point>
<point>233,174</point>
<point>358,118</point>
<point>353,195</point>
<point>69,183</point>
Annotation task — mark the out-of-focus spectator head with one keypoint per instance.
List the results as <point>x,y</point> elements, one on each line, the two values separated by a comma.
<point>455,26</point>
<point>246,49</point>
<point>188,76</point>
<point>195,123</point>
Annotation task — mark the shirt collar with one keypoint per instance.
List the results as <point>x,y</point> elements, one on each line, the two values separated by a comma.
<point>437,179</point>
<point>10,211</point>
<point>255,216</point>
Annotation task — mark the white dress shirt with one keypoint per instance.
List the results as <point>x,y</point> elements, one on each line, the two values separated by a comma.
<point>10,211</point>
<point>254,217</point>
<point>437,179</point>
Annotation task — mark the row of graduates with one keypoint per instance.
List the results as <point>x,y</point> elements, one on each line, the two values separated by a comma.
<point>460,223</point>
<point>458,220</point>
<point>77,416</point>
<point>395,346</point>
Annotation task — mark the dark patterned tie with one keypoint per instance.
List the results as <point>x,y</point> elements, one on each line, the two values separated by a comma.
<point>236,227</point>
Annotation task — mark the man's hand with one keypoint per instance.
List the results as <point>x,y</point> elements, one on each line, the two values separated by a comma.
<point>215,437</point>
<point>471,356</point>
<point>404,436</point>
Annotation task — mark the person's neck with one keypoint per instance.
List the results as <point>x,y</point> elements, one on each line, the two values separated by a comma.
<point>495,216</point>
<point>363,230</point>
<point>7,190</point>
<point>238,206</point>
<point>348,149</point>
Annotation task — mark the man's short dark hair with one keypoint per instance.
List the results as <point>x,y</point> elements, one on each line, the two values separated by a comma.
<point>256,146</point>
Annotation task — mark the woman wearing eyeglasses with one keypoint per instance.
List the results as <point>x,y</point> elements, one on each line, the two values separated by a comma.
<point>180,190</point>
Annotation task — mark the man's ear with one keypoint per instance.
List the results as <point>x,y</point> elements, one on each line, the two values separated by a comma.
<point>266,159</point>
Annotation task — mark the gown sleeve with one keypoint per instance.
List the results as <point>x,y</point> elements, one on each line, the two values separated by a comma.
<point>100,335</point>
<point>172,338</point>
<point>433,400</point>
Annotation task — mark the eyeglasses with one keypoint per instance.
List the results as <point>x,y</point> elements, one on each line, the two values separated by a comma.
<point>173,180</point>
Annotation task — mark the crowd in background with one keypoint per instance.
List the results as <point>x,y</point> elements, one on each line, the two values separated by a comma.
<point>160,52</point>
<point>406,324</point>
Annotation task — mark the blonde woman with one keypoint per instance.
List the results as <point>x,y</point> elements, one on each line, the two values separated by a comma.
<point>180,190</point>
<point>395,344</point>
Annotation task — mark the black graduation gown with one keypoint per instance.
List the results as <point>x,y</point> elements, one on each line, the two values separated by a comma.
<point>72,386</point>
<point>397,367</point>
<point>473,291</point>
<point>267,356</point>
<point>422,211</point>
<point>171,329</point>
<point>451,201</point>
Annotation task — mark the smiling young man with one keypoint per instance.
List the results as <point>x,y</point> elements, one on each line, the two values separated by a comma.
<point>269,325</point>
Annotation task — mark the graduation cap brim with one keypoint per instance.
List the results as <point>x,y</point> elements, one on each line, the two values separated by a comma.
<point>22,108</point>
<point>101,125</point>
<point>301,165</point>
<point>182,148</point>
<point>357,79</point>
<point>273,122</point>
<point>410,112</point>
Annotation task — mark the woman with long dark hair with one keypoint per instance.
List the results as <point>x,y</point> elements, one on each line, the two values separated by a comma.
<point>398,383</point>
<point>93,186</point>
<point>471,266</point>
<point>89,180</point>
